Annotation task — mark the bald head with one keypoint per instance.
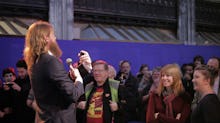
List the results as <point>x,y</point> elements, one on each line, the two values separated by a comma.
<point>214,62</point>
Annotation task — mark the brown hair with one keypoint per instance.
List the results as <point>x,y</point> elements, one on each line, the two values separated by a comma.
<point>174,71</point>
<point>207,72</point>
<point>35,42</point>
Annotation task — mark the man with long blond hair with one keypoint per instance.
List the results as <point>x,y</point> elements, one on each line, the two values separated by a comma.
<point>53,90</point>
<point>170,103</point>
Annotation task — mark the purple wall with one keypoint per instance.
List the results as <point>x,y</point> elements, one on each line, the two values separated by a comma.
<point>113,52</point>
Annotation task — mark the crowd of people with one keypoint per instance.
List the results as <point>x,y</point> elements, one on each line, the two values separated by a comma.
<point>42,91</point>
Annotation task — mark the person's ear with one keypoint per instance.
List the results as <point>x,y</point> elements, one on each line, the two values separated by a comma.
<point>207,81</point>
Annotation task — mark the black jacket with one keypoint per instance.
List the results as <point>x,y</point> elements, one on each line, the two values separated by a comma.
<point>131,96</point>
<point>55,93</point>
<point>23,113</point>
<point>107,113</point>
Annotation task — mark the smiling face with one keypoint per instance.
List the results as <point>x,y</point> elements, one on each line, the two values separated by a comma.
<point>213,62</point>
<point>170,75</point>
<point>170,79</point>
<point>199,81</point>
<point>202,78</point>
<point>100,73</point>
<point>167,80</point>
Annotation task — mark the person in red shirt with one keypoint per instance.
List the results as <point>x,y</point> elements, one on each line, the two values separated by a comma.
<point>104,97</point>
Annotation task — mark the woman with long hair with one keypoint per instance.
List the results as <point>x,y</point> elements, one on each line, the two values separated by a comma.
<point>170,103</point>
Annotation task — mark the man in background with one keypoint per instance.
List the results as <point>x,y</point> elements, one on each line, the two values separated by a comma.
<point>23,113</point>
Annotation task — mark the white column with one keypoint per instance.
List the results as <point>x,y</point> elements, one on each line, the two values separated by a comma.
<point>186,21</point>
<point>61,17</point>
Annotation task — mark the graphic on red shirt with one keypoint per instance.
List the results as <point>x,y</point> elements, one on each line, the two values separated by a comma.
<point>95,111</point>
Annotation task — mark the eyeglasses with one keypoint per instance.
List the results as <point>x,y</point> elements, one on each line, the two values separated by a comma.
<point>98,71</point>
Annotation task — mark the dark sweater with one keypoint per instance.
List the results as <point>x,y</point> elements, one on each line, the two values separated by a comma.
<point>207,110</point>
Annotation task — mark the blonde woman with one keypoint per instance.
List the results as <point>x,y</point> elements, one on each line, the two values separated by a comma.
<point>53,90</point>
<point>169,104</point>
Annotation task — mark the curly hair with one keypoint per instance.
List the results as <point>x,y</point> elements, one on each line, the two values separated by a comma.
<point>35,42</point>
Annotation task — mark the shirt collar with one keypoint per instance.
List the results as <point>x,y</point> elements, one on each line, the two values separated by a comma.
<point>50,53</point>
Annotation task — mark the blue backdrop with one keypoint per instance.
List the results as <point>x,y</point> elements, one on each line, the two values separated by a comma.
<point>113,52</point>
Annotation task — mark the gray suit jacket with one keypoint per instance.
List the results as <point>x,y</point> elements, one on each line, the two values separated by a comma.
<point>54,92</point>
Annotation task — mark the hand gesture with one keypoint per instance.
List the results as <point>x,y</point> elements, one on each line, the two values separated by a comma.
<point>6,87</point>
<point>85,60</point>
<point>74,73</point>
<point>156,115</point>
<point>15,86</point>
<point>178,116</point>
<point>113,106</point>
<point>82,105</point>
<point>36,107</point>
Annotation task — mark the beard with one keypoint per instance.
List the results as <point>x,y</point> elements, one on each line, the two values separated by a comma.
<point>214,71</point>
<point>55,49</point>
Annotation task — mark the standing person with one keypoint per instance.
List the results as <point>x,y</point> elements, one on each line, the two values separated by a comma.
<point>187,71</point>
<point>198,60</point>
<point>214,63</point>
<point>156,79</point>
<point>144,78</point>
<point>8,93</point>
<point>130,85</point>
<point>208,107</point>
<point>23,113</point>
<point>142,107</point>
<point>170,104</point>
<point>111,72</point>
<point>53,90</point>
<point>144,69</point>
<point>103,97</point>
